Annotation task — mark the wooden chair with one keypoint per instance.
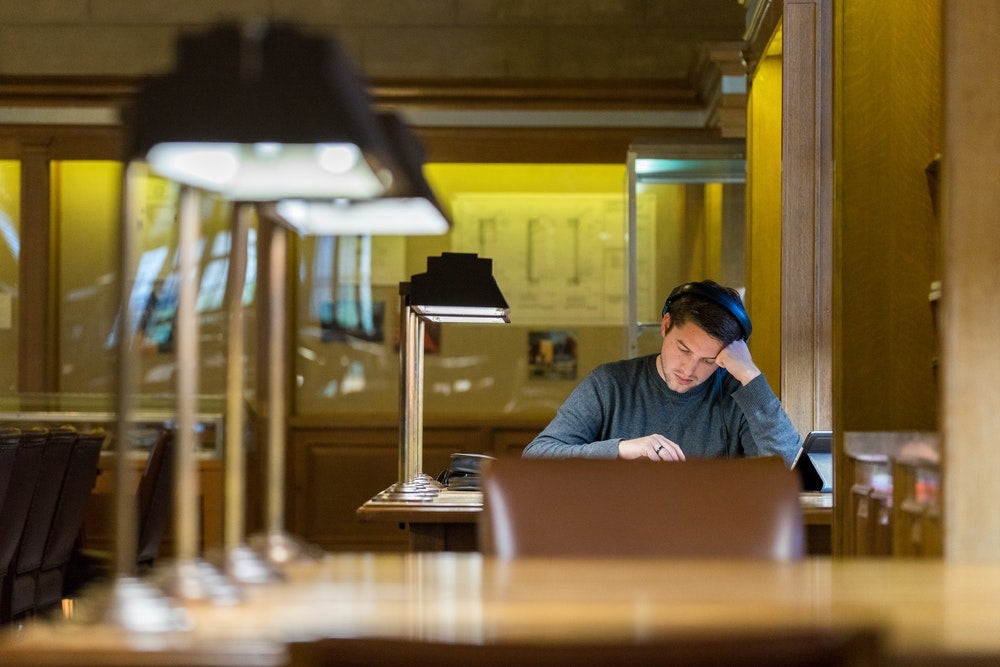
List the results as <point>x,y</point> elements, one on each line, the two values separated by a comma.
<point>81,475</point>
<point>16,504</point>
<point>789,647</point>
<point>707,508</point>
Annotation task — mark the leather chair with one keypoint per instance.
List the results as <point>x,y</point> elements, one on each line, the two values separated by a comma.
<point>154,496</point>
<point>10,437</point>
<point>707,508</point>
<point>81,475</point>
<point>19,590</point>
<point>17,503</point>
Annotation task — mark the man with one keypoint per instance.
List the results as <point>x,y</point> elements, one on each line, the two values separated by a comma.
<point>701,396</point>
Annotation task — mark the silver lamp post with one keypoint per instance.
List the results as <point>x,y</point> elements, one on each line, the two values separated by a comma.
<point>457,287</point>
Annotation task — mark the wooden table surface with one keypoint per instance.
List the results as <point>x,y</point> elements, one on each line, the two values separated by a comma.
<point>466,506</point>
<point>925,608</point>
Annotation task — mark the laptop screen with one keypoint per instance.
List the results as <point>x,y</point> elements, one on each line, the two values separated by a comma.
<point>814,461</point>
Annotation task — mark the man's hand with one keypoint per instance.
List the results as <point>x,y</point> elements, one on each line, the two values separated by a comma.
<point>736,359</point>
<point>654,447</point>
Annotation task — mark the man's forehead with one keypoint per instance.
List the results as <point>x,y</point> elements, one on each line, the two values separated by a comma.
<point>697,340</point>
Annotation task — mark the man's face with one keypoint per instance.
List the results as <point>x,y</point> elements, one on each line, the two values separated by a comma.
<point>687,355</point>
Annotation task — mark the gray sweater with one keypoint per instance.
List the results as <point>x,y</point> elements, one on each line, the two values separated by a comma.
<point>628,399</point>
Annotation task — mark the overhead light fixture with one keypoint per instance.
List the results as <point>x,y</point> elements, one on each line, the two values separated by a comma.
<point>457,287</point>
<point>408,207</point>
<point>261,113</point>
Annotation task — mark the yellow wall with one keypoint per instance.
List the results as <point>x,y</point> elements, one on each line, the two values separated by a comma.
<point>86,195</point>
<point>764,217</point>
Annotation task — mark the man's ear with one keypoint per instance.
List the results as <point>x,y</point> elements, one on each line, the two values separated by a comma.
<point>664,325</point>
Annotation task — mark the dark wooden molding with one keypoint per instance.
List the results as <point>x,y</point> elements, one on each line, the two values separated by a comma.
<point>536,94</point>
<point>85,91</point>
<point>639,94</point>
<point>65,142</point>
<point>543,145</point>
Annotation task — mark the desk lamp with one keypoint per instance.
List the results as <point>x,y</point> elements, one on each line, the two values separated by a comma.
<point>257,114</point>
<point>407,207</point>
<point>457,287</point>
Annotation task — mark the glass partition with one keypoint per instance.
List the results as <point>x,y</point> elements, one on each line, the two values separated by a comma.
<point>555,233</point>
<point>556,236</point>
<point>87,217</point>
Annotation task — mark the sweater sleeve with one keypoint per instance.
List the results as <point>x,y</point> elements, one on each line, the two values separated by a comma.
<point>577,427</point>
<point>770,431</point>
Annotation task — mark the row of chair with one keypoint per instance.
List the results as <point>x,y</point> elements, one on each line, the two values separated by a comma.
<point>154,496</point>
<point>46,478</point>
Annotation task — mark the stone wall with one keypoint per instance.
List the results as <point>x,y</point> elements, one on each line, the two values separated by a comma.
<point>481,39</point>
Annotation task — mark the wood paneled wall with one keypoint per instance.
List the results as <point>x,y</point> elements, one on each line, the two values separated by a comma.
<point>887,119</point>
<point>336,467</point>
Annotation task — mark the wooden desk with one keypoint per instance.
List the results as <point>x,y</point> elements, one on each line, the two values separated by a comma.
<point>448,522</point>
<point>445,523</point>
<point>929,611</point>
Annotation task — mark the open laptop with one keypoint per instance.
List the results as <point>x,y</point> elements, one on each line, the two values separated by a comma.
<point>814,461</point>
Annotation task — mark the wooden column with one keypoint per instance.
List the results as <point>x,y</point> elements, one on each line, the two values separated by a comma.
<point>37,344</point>
<point>807,213</point>
<point>970,308</point>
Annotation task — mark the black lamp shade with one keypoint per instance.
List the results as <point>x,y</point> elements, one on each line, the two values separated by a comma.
<point>458,287</point>
<point>409,206</point>
<point>260,88</point>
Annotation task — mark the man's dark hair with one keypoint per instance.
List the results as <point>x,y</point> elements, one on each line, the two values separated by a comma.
<point>717,320</point>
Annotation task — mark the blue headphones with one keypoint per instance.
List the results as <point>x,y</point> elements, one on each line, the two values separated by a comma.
<point>717,295</point>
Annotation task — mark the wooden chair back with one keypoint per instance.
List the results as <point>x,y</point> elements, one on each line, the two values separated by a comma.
<point>706,508</point>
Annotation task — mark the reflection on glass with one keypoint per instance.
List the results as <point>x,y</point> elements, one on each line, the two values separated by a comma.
<point>87,216</point>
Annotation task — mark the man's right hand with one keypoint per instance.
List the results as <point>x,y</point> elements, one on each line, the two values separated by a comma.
<point>654,447</point>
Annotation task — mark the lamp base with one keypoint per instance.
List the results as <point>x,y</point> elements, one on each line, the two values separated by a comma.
<point>422,487</point>
<point>134,605</point>
<point>278,549</point>
<point>244,565</point>
<point>196,580</point>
